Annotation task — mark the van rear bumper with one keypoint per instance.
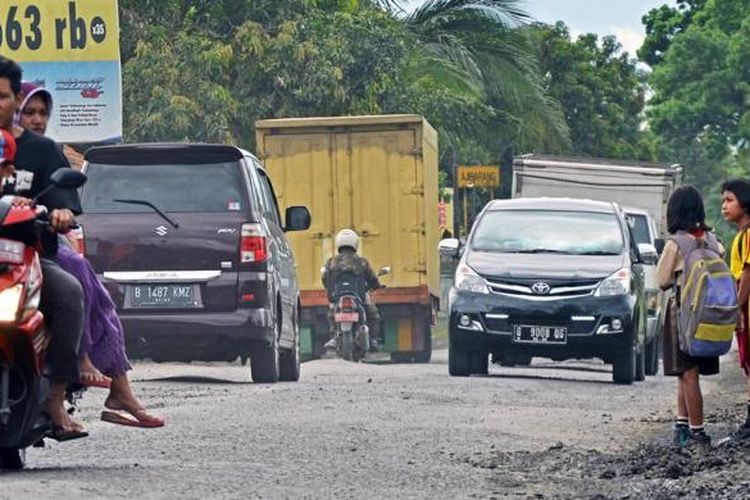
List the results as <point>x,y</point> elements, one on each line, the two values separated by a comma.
<point>201,336</point>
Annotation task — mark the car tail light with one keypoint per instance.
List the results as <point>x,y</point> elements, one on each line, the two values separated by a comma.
<point>76,239</point>
<point>11,252</point>
<point>253,244</point>
<point>346,303</point>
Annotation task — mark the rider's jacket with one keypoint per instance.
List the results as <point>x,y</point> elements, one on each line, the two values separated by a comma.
<point>347,265</point>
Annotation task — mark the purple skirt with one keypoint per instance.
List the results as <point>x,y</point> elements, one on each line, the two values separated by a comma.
<point>103,336</point>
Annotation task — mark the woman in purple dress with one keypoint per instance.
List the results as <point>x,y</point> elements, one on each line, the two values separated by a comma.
<point>103,361</point>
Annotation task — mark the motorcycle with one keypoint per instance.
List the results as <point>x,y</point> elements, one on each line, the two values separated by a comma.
<point>24,338</point>
<point>351,333</point>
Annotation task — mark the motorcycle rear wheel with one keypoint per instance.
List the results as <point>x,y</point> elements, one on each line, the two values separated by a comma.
<point>347,345</point>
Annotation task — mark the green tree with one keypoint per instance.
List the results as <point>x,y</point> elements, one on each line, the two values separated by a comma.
<point>600,89</point>
<point>663,24</point>
<point>476,50</point>
<point>206,70</point>
<point>701,92</point>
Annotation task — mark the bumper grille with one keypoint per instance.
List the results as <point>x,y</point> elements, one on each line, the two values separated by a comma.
<point>554,289</point>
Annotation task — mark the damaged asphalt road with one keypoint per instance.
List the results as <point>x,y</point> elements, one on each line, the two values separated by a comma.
<point>350,430</point>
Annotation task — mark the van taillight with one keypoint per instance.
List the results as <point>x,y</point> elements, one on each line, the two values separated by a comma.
<point>253,244</point>
<point>77,240</point>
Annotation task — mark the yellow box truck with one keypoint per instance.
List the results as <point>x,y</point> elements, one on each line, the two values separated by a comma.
<point>378,176</point>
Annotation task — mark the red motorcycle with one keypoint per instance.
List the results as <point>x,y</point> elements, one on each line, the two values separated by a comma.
<point>23,336</point>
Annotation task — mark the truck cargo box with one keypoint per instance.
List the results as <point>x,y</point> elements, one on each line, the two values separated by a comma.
<point>378,176</point>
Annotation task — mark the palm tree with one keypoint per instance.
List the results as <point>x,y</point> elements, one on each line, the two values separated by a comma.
<point>479,49</point>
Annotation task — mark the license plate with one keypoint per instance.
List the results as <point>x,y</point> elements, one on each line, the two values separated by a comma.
<point>166,295</point>
<point>346,317</point>
<point>524,334</point>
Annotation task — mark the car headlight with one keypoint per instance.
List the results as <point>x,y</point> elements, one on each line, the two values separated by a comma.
<point>9,301</point>
<point>617,283</point>
<point>469,281</point>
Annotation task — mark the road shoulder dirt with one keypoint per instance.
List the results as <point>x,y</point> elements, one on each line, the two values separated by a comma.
<point>651,468</point>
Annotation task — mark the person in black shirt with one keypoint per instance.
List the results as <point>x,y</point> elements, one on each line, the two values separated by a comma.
<point>62,297</point>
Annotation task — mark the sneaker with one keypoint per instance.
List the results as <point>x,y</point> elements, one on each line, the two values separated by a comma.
<point>374,345</point>
<point>331,344</point>
<point>680,435</point>
<point>742,433</point>
<point>697,439</point>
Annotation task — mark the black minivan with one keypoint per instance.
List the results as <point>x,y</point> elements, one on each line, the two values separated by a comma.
<point>551,277</point>
<point>189,241</point>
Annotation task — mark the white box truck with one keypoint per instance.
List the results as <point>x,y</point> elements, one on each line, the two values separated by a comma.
<point>631,184</point>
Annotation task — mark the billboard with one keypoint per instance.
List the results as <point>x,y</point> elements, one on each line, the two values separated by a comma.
<point>72,49</point>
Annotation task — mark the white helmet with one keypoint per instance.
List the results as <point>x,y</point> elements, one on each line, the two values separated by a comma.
<point>347,238</point>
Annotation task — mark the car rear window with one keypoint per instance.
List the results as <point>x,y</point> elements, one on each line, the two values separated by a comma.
<point>639,225</point>
<point>548,231</point>
<point>211,187</point>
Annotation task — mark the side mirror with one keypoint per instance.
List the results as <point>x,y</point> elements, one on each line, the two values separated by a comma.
<point>648,253</point>
<point>449,247</point>
<point>65,178</point>
<point>384,270</point>
<point>68,178</point>
<point>659,245</point>
<point>297,219</point>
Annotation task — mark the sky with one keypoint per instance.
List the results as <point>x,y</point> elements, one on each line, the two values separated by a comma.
<point>621,18</point>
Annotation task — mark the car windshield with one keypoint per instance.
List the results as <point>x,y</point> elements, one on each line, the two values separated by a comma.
<point>639,225</point>
<point>548,231</point>
<point>213,187</point>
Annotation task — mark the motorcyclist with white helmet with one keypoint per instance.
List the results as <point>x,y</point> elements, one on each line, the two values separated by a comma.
<point>348,263</point>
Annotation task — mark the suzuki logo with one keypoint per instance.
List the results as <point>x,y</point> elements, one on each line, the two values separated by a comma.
<point>540,288</point>
<point>161,230</point>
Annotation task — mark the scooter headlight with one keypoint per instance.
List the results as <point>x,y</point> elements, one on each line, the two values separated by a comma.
<point>9,302</point>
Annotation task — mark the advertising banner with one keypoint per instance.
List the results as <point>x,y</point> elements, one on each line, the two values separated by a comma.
<point>72,49</point>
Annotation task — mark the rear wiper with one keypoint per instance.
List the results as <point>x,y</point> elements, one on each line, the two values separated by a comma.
<point>152,206</point>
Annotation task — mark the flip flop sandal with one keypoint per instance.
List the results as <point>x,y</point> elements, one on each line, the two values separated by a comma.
<point>88,379</point>
<point>129,419</point>
<point>60,433</point>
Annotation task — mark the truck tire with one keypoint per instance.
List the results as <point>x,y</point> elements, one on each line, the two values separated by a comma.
<point>425,354</point>
<point>264,362</point>
<point>640,365</point>
<point>422,356</point>
<point>623,366</point>
<point>321,333</point>
<point>12,458</point>
<point>652,355</point>
<point>479,363</point>
<point>459,361</point>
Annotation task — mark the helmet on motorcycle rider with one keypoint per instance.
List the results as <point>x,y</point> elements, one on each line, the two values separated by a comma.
<point>347,238</point>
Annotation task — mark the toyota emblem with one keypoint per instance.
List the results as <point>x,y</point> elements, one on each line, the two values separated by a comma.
<point>161,230</point>
<point>540,288</point>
